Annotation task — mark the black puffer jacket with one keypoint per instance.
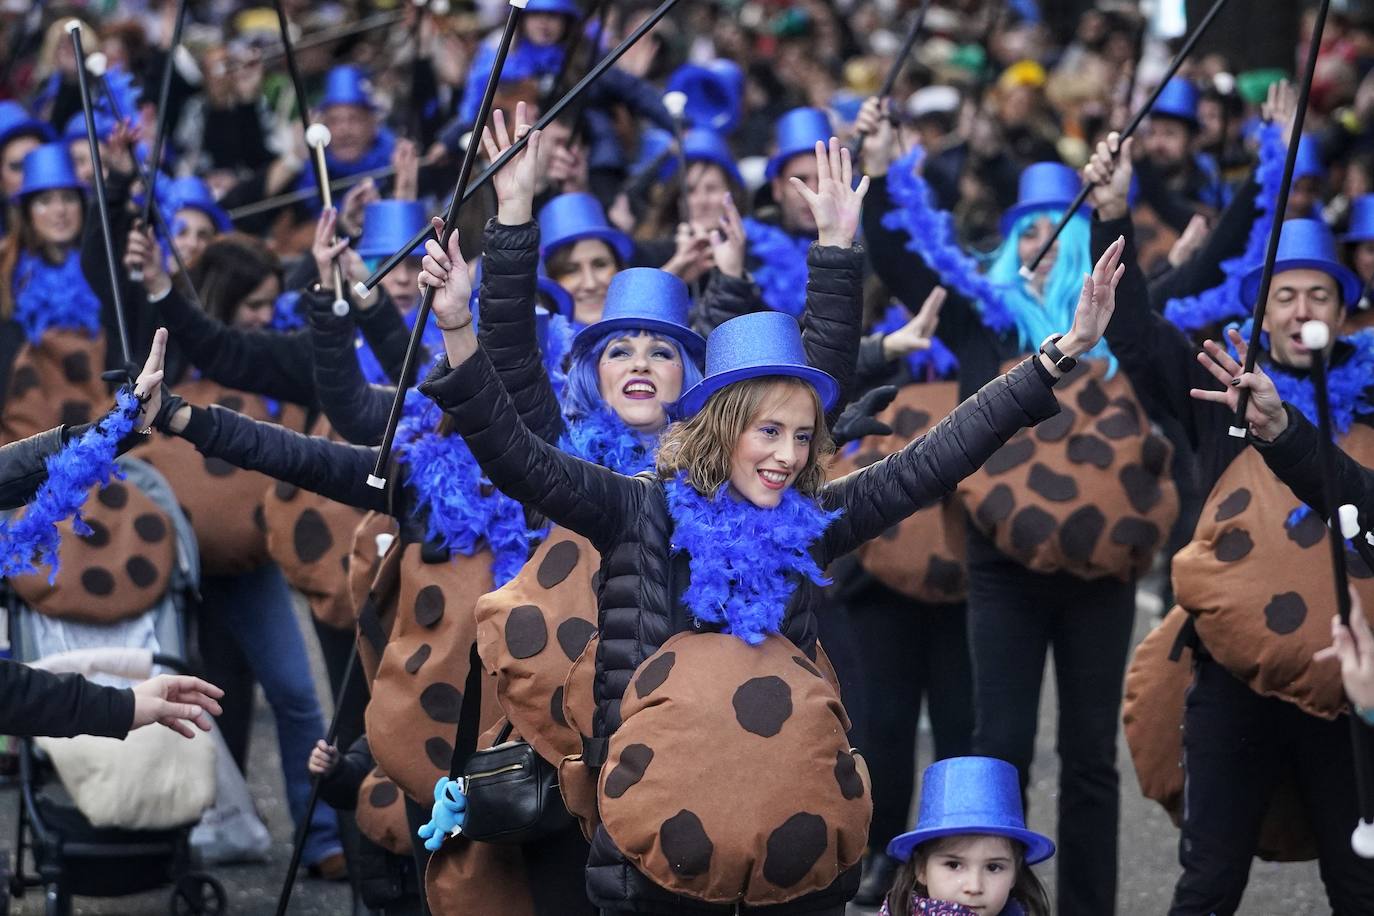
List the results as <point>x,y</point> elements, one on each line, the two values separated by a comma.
<point>627,521</point>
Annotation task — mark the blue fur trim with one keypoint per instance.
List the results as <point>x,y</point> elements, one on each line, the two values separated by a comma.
<point>744,559</point>
<point>557,345</point>
<point>464,512</point>
<point>932,235</point>
<point>377,156</point>
<point>602,438</point>
<point>936,363</point>
<point>1223,302</point>
<point>33,538</point>
<point>286,315</point>
<point>50,296</point>
<point>781,275</point>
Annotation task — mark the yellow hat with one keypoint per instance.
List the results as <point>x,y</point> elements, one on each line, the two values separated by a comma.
<point>1022,73</point>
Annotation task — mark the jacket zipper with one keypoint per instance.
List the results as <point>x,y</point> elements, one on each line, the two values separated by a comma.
<point>510,768</point>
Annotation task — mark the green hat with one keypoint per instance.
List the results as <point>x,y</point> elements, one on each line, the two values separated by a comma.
<point>1253,85</point>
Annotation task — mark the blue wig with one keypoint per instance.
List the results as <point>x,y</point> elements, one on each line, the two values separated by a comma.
<point>1037,319</point>
<point>583,396</point>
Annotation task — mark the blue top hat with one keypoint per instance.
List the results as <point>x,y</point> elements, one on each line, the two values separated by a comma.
<point>971,795</point>
<point>346,85</point>
<point>753,346</point>
<point>1178,100</point>
<point>389,224</point>
<point>556,296</point>
<point>1361,220</point>
<point>570,218</point>
<point>561,7</point>
<point>190,193</point>
<point>797,132</point>
<point>1309,162</point>
<point>713,91</point>
<point>47,168</point>
<point>1305,244</point>
<point>701,145</point>
<point>645,299</point>
<point>15,121</point>
<point>1043,186</point>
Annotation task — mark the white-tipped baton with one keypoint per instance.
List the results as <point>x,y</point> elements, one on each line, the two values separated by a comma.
<point>317,138</point>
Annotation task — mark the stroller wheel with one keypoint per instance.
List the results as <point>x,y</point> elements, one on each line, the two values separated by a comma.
<point>197,894</point>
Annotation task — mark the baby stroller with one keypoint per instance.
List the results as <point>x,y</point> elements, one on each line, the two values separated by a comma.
<point>70,855</point>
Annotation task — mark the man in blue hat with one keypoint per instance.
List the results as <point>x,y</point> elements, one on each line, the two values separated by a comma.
<point>358,141</point>
<point>1259,717</point>
<point>20,134</point>
<point>1174,178</point>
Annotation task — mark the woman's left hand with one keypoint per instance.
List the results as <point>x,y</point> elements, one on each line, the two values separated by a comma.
<point>1096,303</point>
<point>148,387</point>
<point>447,273</point>
<point>836,204</point>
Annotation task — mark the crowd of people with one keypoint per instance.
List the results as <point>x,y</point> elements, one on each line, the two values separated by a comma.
<point>756,417</point>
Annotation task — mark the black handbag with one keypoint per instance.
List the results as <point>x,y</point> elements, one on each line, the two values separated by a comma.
<point>512,793</point>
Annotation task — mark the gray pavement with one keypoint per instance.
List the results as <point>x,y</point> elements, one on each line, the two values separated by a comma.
<point>1148,846</point>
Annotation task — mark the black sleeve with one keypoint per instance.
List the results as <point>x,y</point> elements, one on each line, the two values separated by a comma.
<point>36,703</point>
<point>386,334</point>
<point>357,411</point>
<point>724,297</point>
<point>1226,240</point>
<point>331,469</point>
<point>340,788</point>
<point>23,464</point>
<point>268,363</point>
<point>1295,459</point>
<point>583,497</point>
<point>831,323</point>
<point>879,496</point>
<point>507,331</point>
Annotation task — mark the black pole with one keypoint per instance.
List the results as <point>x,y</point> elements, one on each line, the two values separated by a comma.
<point>297,85</point>
<point>1028,270</point>
<point>517,7</point>
<point>102,202</point>
<point>298,844</point>
<point>160,134</point>
<point>1320,333</point>
<point>1237,428</point>
<point>894,71</point>
<point>548,118</point>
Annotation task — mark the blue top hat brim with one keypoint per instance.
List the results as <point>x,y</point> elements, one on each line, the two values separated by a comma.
<point>619,241</point>
<point>781,157</point>
<point>556,294</point>
<point>1351,287</point>
<point>1038,847</point>
<point>686,338</point>
<point>214,212</point>
<point>697,396</point>
<point>29,127</point>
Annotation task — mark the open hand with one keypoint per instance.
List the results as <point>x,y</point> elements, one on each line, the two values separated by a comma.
<point>1264,414</point>
<point>1096,303</point>
<point>327,247</point>
<point>174,700</point>
<point>728,242</point>
<point>148,385</point>
<point>916,333</point>
<point>1281,107</point>
<point>515,184</point>
<point>836,203</point>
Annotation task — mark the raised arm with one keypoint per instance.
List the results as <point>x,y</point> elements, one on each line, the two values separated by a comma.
<point>357,411</point>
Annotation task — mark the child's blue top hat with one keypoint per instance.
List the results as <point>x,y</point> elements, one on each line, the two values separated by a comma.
<point>796,132</point>
<point>560,7</point>
<point>1309,161</point>
<point>714,93</point>
<point>570,218</point>
<point>190,193</point>
<point>752,346</point>
<point>76,127</point>
<point>48,168</point>
<point>646,299</point>
<point>1043,186</point>
<point>389,224</point>
<point>1177,100</point>
<point>1305,244</point>
<point>971,795</point>
<point>15,121</point>
<point>346,85</point>
<point>1361,227</point>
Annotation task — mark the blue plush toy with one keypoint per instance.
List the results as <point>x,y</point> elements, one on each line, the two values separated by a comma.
<point>450,809</point>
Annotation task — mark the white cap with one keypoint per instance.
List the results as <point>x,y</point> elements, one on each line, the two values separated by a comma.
<point>675,102</point>
<point>384,542</point>
<point>318,135</point>
<point>932,100</point>
<point>97,63</point>
<point>1315,335</point>
<point>1350,521</point>
<point>1362,840</point>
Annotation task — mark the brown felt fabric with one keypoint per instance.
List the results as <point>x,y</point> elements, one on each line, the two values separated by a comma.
<point>381,813</point>
<point>223,502</point>
<point>1086,492</point>
<point>921,557</point>
<point>1152,717</point>
<point>118,571</point>
<point>55,382</point>
<point>418,692</point>
<point>731,777</point>
<point>1261,626</point>
<point>529,633</point>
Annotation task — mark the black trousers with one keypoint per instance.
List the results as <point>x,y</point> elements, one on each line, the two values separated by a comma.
<point>1015,618</point>
<point>1237,746</point>
<point>910,650</point>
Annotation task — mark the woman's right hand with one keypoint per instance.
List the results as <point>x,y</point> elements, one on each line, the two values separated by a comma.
<point>729,245</point>
<point>515,184</point>
<point>880,138</point>
<point>447,273</point>
<point>142,253</point>
<point>326,246</point>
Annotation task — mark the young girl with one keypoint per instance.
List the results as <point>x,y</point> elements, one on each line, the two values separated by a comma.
<point>970,851</point>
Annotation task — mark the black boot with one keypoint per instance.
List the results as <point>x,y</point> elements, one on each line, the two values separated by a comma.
<point>879,870</point>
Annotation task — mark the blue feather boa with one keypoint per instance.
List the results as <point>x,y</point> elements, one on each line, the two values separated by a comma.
<point>33,538</point>
<point>464,512</point>
<point>603,438</point>
<point>781,275</point>
<point>1223,302</point>
<point>924,365</point>
<point>744,559</point>
<point>48,296</point>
